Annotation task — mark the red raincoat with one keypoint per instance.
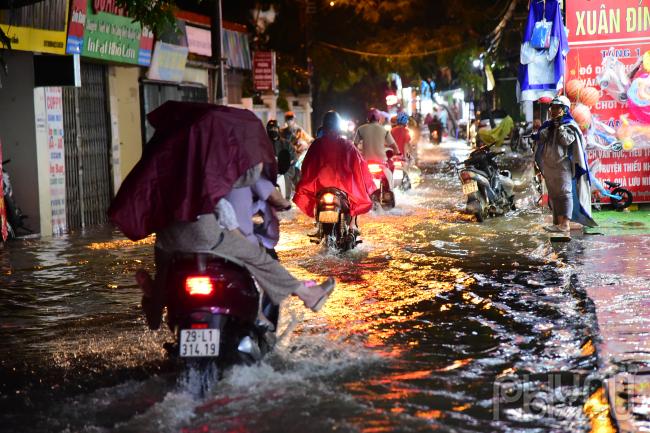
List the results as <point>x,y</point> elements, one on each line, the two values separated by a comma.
<point>196,155</point>
<point>334,162</point>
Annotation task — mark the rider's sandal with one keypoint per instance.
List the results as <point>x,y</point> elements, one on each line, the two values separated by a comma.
<point>328,287</point>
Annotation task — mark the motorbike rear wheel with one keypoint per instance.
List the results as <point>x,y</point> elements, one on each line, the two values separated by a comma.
<point>482,212</point>
<point>625,201</point>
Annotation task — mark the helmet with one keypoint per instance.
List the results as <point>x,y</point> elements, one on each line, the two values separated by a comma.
<point>561,100</point>
<point>272,124</point>
<point>331,121</point>
<point>289,115</point>
<point>402,118</point>
<point>373,115</point>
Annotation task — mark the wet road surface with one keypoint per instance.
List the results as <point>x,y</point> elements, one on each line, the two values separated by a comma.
<point>437,324</point>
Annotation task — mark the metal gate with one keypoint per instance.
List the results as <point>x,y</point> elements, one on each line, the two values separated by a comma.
<point>87,148</point>
<point>153,94</point>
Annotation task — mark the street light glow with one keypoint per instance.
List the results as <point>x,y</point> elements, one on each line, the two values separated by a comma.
<point>332,3</point>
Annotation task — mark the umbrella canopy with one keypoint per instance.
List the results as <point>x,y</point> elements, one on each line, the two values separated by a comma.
<point>195,156</point>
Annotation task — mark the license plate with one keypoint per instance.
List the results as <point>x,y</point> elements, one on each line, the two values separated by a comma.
<point>470,187</point>
<point>199,342</point>
<point>377,182</point>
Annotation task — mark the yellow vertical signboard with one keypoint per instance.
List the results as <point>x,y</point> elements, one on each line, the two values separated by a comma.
<point>40,27</point>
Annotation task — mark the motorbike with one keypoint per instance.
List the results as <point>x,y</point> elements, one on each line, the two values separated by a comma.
<point>15,216</point>
<point>401,178</point>
<point>383,196</point>
<point>521,140</point>
<point>489,191</point>
<point>213,310</point>
<point>333,220</point>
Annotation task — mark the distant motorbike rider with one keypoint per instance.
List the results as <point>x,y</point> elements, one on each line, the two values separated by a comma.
<point>372,140</point>
<point>562,159</point>
<point>333,161</point>
<point>285,155</point>
<point>402,136</point>
<point>295,134</point>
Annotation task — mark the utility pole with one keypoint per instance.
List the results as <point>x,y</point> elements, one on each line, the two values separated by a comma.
<point>216,30</point>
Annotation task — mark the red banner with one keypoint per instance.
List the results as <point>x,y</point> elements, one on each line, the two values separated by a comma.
<point>618,29</point>
<point>4,230</point>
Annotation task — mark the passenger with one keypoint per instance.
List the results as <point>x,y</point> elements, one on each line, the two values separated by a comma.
<point>228,232</point>
<point>187,188</point>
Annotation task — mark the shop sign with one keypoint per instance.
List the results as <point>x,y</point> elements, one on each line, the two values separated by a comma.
<point>39,27</point>
<point>4,230</point>
<point>168,62</point>
<point>54,109</point>
<point>99,30</point>
<point>264,70</point>
<point>618,29</point>
<point>199,40</point>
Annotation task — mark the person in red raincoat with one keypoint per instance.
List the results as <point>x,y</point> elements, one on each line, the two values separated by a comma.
<point>333,161</point>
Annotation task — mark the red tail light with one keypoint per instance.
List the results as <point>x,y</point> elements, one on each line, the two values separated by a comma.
<point>465,176</point>
<point>328,198</point>
<point>199,286</point>
<point>375,168</point>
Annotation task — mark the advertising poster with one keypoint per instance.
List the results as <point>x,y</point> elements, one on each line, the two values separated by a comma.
<point>264,70</point>
<point>40,27</point>
<point>98,30</point>
<point>54,109</point>
<point>168,62</point>
<point>4,230</point>
<point>608,40</point>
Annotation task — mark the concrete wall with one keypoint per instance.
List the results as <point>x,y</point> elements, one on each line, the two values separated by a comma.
<point>124,94</point>
<point>17,132</point>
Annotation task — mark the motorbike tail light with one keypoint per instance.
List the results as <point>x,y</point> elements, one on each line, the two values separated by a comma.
<point>374,168</point>
<point>199,286</point>
<point>465,176</point>
<point>328,198</point>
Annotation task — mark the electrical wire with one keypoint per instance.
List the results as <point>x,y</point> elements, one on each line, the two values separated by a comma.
<point>396,55</point>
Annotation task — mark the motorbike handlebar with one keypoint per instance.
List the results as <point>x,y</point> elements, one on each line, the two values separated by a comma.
<point>6,161</point>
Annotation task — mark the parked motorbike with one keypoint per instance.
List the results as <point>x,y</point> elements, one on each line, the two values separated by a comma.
<point>521,141</point>
<point>401,178</point>
<point>383,196</point>
<point>333,220</point>
<point>213,311</point>
<point>489,191</point>
<point>15,217</point>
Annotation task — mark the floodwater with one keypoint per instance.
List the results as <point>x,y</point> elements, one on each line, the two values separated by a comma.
<point>438,323</point>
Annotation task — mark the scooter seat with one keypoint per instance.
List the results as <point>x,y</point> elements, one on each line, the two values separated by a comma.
<point>612,184</point>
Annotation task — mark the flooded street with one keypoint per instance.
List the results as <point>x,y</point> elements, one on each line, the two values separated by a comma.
<point>438,323</point>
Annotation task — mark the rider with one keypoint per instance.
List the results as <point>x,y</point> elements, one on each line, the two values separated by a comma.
<point>372,140</point>
<point>402,135</point>
<point>284,154</point>
<point>294,134</point>
<point>333,161</point>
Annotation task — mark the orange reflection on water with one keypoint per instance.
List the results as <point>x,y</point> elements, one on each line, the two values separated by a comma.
<point>597,409</point>
<point>429,414</point>
<point>456,364</point>
<point>121,243</point>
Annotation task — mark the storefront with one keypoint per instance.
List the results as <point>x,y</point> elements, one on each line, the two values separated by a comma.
<point>608,77</point>
<point>100,143</point>
<point>36,162</point>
